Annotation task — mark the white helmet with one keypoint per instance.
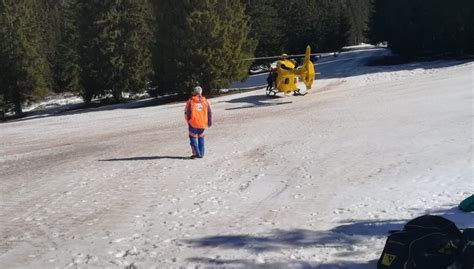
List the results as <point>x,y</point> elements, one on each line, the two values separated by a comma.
<point>197,90</point>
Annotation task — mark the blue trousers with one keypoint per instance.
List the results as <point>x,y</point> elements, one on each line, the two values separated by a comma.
<point>196,137</point>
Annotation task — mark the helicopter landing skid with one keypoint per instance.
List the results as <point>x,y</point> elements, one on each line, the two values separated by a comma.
<point>297,92</point>
<point>271,92</point>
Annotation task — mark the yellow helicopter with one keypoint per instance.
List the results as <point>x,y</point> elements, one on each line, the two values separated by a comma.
<point>284,78</point>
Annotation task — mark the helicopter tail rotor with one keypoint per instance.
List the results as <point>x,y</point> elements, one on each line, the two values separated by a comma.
<point>307,69</point>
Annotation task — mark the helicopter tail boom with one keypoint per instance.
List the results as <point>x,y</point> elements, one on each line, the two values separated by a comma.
<point>307,69</point>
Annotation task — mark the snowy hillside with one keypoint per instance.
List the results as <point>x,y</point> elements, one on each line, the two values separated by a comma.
<point>288,182</point>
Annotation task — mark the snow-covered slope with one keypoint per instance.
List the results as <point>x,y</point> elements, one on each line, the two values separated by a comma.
<point>288,182</point>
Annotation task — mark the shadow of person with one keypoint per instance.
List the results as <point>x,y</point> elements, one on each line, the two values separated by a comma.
<point>146,158</point>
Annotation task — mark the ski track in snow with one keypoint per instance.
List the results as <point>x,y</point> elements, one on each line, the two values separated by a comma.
<point>315,182</point>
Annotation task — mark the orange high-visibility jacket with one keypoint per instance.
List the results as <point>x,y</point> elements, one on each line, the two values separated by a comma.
<point>198,112</point>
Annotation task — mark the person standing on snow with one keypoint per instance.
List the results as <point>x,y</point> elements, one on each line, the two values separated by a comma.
<point>271,79</point>
<point>198,115</point>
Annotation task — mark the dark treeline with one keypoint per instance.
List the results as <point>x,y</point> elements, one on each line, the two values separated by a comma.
<point>102,48</point>
<point>419,27</point>
<point>289,26</point>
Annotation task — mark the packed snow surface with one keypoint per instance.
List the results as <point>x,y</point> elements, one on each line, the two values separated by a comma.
<point>287,182</point>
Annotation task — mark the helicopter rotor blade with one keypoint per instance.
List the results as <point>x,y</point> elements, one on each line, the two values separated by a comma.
<point>278,57</point>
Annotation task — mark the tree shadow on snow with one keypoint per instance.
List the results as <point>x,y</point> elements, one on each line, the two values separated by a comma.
<point>250,264</point>
<point>345,235</point>
<point>146,158</point>
<point>377,60</point>
<point>343,238</point>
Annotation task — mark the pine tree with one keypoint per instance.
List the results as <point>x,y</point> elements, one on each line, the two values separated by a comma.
<point>322,24</point>
<point>2,106</point>
<point>137,44</point>
<point>303,24</point>
<point>336,24</point>
<point>67,69</point>
<point>376,24</point>
<point>59,44</point>
<point>467,22</point>
<point>49,18</point>
<point>359,16</point>
<point>201,41</point>
<point>220,41</point>
<point>266,26</point>
<point>168,57</point>
<point>114,47</point>
<point>24,69</point>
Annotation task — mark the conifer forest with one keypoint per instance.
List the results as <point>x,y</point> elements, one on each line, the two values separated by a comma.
<point>100,48</point>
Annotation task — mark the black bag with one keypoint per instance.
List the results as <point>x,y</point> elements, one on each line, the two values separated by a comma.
<point>395,252</point>
<point>430,224</point>
<point>467,257</point>
<point>427,242</point>
<point>433,251</point>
